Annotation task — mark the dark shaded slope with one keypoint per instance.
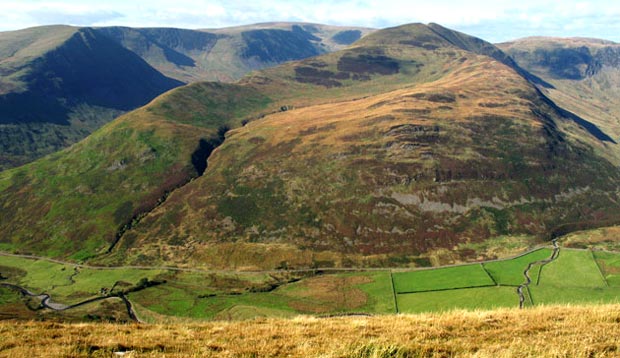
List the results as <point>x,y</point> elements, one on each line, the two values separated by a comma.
<point>277,46</point>
<point>347,37</point>
<point>70,90</point>
<point>161,45</point>
<point>584,74</point>
<point>86,69</point>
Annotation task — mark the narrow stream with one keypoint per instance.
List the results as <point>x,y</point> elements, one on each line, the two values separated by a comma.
<point>526,273</point>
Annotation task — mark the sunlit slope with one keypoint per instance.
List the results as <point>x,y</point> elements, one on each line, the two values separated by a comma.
<point>388,150</point>
<point>58,84</point>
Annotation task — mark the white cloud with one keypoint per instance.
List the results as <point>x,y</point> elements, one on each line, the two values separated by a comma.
<point>493,20</point>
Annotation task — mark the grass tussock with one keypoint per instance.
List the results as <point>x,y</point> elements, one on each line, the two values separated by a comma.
<point>553,331</point>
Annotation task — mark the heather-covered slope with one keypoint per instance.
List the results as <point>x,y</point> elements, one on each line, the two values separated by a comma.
<point>409,142</point>
<point>430,146</point>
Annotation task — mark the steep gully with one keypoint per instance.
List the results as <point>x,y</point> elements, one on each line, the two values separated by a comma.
<point>199,160</point>
<point>526,273</point>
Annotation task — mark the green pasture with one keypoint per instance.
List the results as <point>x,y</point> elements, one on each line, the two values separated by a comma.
<point>442,279</point>
<point>576,276</point>
<point>609,263</point>
<point>572,268</point>
<point>466,298</point>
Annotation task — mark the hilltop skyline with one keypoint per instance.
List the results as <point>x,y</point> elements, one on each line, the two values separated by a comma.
<point>496,22</point>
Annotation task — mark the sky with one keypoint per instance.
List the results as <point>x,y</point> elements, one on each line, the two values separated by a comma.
<point>494,21</point>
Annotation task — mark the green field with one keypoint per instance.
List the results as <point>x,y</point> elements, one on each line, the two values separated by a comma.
<point>572,269</point>
<point>565,295</point>
<point>574,277</point>
<point>442,279</point>
<point>66,282</point>
<point>206,295</point>
<point>510,272</point>
<point>609,263</point>
<point>467,298</point>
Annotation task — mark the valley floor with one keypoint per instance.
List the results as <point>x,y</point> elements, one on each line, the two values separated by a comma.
<point>546,331</point>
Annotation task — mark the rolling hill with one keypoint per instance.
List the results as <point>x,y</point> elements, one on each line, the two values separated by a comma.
<point>61,83</point>
<point>413,142</point>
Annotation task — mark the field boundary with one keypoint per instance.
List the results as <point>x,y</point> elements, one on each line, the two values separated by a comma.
<point>488,273</point>
<point>394,292</point>
<point>528,280</point>
<point>222,271</point>
<point>598,266</point>
<point>540,267</point>
<point>450,289</point>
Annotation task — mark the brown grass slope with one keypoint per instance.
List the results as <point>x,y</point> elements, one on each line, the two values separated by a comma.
<point>410,141</point>
<point>554,331</point>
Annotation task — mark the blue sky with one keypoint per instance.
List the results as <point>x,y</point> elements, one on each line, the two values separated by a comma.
<point>494,21</point>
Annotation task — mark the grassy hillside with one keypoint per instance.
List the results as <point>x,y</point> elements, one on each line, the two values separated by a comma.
<point>78,201</point>
<point>554,331</point>
<point>408,144</point>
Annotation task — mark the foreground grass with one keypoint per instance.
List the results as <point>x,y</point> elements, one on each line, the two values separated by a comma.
<point>555,331</point>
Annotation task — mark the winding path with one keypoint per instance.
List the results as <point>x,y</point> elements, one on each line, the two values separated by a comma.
<point>526,273</point>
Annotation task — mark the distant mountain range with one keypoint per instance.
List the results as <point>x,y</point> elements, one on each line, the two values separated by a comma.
<point>414,145</point>
<point>60,83</point>
<point>582,75</point>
